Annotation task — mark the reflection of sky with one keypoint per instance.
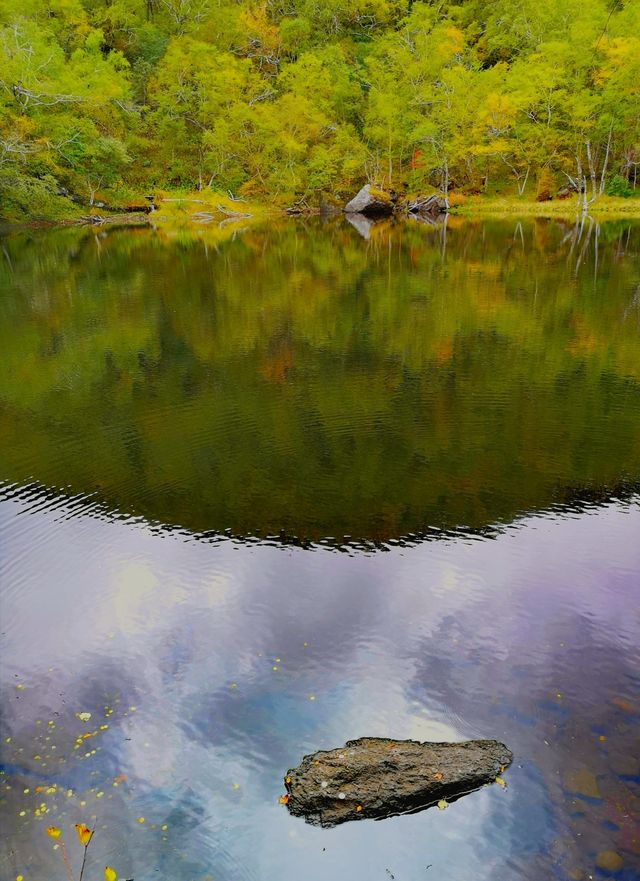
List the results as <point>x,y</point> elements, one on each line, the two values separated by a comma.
<point>531,638</point>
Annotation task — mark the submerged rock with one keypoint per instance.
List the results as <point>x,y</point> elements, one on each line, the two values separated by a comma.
<point>372,202</point>
<point>609,861</point>
<point>374,777</point>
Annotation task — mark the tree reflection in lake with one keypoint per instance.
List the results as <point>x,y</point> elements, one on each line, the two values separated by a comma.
<point>296,380</point>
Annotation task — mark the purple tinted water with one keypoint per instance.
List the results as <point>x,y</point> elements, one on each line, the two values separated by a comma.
<point>216,666</point>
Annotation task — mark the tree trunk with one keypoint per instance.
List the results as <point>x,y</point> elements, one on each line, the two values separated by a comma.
<point>592,172</point>
<point>606,161</point>
<point>523,184</point>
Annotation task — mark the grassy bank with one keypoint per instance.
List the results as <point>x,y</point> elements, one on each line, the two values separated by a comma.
<point>182,208</point>
<point>604,206</point>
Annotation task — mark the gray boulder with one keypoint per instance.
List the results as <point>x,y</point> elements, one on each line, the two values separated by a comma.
<point>374,778</point>
<point>428,205</point>
<point>371,202</point>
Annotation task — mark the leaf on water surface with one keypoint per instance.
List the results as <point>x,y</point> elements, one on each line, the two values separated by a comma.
<point>110,874</point>
<point>443,804</point>
<point>501,782</point>
<point>54,832</point>
<point>84,717</point>
<point>84,834</point>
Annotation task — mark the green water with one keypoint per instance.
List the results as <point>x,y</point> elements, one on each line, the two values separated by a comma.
<point>298,380</point>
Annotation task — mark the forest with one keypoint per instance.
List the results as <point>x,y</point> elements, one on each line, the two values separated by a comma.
<point>296,101</point>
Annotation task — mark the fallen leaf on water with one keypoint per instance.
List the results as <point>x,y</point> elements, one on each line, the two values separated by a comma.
<point>501,782</point>
<point>120,778</point>
<point>84,717</point>
<point>84,834</point>
<point>54,832</point>
<point>437,776</point>
<point>443,804</point>
<point>110,874</point>
<point>283,800</point>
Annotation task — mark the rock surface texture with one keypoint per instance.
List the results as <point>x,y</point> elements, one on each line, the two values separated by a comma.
<point>372,202</point>
<point>374,778</point>
<point>428,205</point>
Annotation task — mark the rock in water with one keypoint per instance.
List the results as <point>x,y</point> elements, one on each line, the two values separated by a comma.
<point>374,777</point>
<point>372,202</point>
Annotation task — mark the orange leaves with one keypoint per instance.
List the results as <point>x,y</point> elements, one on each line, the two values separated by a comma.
<point>284,799</point>
<point>84,834</point>
<point>438,776</point>
<point>54,832</point>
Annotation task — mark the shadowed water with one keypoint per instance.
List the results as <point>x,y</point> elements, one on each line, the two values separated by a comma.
<point>192,423</point>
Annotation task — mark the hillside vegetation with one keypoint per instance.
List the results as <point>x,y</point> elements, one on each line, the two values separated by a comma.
<point>292,101</point>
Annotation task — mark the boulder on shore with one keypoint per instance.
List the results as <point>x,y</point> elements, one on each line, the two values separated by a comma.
<point>374,777</point>
<point>428,205</point>
<point>372,202</point>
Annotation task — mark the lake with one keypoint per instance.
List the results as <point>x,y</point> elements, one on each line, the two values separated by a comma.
<point>264,489</point>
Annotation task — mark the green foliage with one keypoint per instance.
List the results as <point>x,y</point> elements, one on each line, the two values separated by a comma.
<point>619,186</point>
<point>287,100</point>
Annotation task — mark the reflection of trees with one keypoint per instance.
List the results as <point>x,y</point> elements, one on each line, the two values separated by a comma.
<point>298,379</point>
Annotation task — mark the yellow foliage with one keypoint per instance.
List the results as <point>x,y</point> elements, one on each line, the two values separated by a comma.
<point>84,834</point>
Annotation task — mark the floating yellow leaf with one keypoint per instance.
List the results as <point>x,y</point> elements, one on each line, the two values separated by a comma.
<point>284,799</point>
<point>501,782</point>
<point>141,820</point>
<point>84,834</point>
<point>110,874</point>
<point>84,717</point>
<point>443,804</point>
<point>54,832</point>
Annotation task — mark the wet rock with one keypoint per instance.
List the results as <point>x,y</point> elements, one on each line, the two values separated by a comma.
<point>375,777</point>
<point>609,861</point>
<point>372,202</point>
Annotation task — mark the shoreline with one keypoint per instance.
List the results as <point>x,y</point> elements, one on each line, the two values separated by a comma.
<point>175,212</point>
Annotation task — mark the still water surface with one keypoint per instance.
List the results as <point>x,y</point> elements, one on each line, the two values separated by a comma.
<point>264,490</point>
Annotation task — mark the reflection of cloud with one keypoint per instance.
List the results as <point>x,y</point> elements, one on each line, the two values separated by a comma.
<point>134,596</point>
<point>442,640</point>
